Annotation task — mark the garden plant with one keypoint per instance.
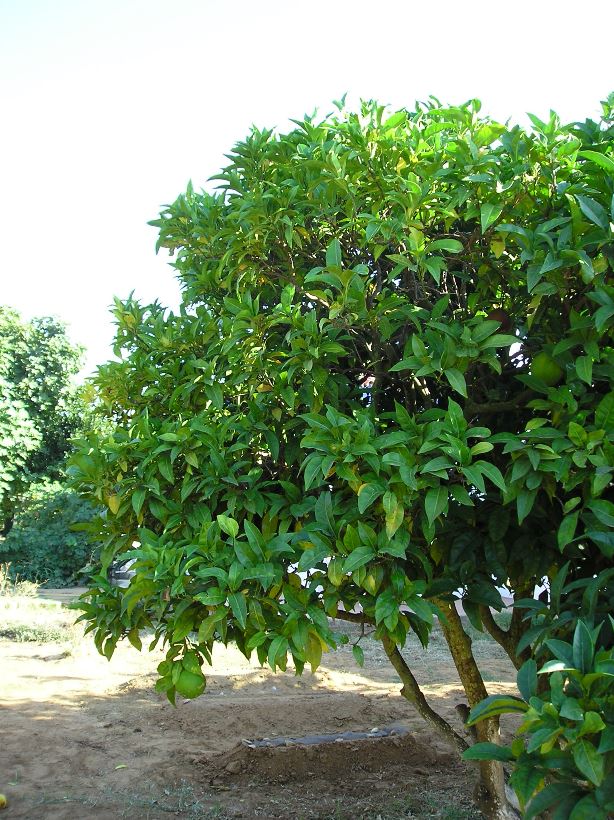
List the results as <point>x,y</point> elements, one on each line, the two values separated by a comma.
<point>390,385</point>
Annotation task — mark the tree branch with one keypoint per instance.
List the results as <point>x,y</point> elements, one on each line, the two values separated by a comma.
<point>354,617</point>
<point>411,691</point>
<point>505,638</point>
<point>497,406</point>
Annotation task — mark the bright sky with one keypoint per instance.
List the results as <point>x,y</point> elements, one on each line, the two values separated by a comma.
<point>109,107</point>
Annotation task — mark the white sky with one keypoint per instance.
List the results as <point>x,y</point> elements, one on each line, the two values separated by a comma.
<point>109,107</point>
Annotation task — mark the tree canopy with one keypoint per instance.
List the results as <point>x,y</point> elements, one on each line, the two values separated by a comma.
<point>39,411</point>
<point>390,383</point>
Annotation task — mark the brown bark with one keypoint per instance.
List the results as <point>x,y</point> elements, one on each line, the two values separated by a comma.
<point>411,688</point>
<point>412,692</point>
<point>491,790</point>
<point>506,638</point>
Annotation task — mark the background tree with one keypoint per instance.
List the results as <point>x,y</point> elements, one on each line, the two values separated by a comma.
<point>46,543</point>
<point>39,405</point>
<point>391,379</point>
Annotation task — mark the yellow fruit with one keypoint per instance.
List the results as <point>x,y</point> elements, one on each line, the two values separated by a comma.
<point>544,367</point>
<point>3,801</point>
<point>190,685</point>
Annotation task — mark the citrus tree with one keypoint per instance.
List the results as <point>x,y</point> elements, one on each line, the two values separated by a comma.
<point>390,385</point>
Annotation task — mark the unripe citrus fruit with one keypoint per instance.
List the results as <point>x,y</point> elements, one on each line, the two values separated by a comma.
<point>544,367</point>
<point>3,801</point>
<point>190,685</point>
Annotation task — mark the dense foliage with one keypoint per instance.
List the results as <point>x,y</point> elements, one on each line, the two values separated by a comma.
<point>569,727</point>
<point>39,407</point>
<point>391,378</point>
<point>42,545</point>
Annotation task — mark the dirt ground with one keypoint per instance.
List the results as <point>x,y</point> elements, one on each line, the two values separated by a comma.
<point>84,738</point>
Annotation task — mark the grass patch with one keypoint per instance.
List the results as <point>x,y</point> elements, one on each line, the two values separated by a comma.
<point>23,633</point>
<point>180,801</point>
<point>26,618</point>
<point>15,587</point>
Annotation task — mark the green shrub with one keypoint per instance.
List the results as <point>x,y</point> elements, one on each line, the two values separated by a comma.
<point>563,756</point>
<point>41,546</point>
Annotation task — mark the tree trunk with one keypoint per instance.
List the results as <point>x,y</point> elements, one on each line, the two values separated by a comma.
<point>7,525</point>
<point>490,793</point>
<point>412,692</point>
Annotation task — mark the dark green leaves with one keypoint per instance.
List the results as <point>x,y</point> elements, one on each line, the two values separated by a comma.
<point>603,161</point>
<point>589,762</point>
<point>391,377</point>
<point>593,210</point>
<point>527,679</point>
<point>228,525</point>
<point>488,751</point>
<point>238,605</point>
<point>496,705</point>
<point>489,213</point>
<point>436,502</point>
<point>358,558</point>
<point>448,245</point>
<point>333,254</point>
<point>367,494</point>
<point>457,381</point>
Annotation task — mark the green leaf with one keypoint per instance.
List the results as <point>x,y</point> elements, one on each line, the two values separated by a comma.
<point>604,413</point>
<point>592,724</point>
<point>277,651</point>
<point>238,605</point>
<point>481,447</point>
<point>394,519</point>
<point>587,809</point>
<point>422,608</point>
<point>138,499</point>
<point>488,751</point>
<point>475,477</point>
<point>313,471</point>
<point>526,679</point>
<point>333,254</point>
<point>367,495</point>
<point>492,473</point>
<point>593,210</point>
<point>456,380</point>
<point>450,245</point>
<point>358,558</point>
<point>603,510</point>
<point>496,705</point>
<point>498,340</point>
<point>436,502</point>
<point>603,161</point>
<point>567,530</point>
<point>583,647</point>
<point>606,744</point>
<point>524,503</point>
<point>335,572</point>
<point>489,213</point>
<point>385,605</point>
<point>584,369</point>
<point>165,468</point>
<point>359,655</point>
<point>228,525</point>
<point>576,434</point>
<point>588,761</point>
<point>525,779</point>
<point>548,797</point>
<point>461,496</point>
<point>192,459</point>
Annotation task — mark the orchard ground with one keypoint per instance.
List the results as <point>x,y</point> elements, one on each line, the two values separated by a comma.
<point>84,737</point>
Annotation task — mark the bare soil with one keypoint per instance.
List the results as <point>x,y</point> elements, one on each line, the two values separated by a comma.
<point>81,737</point>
